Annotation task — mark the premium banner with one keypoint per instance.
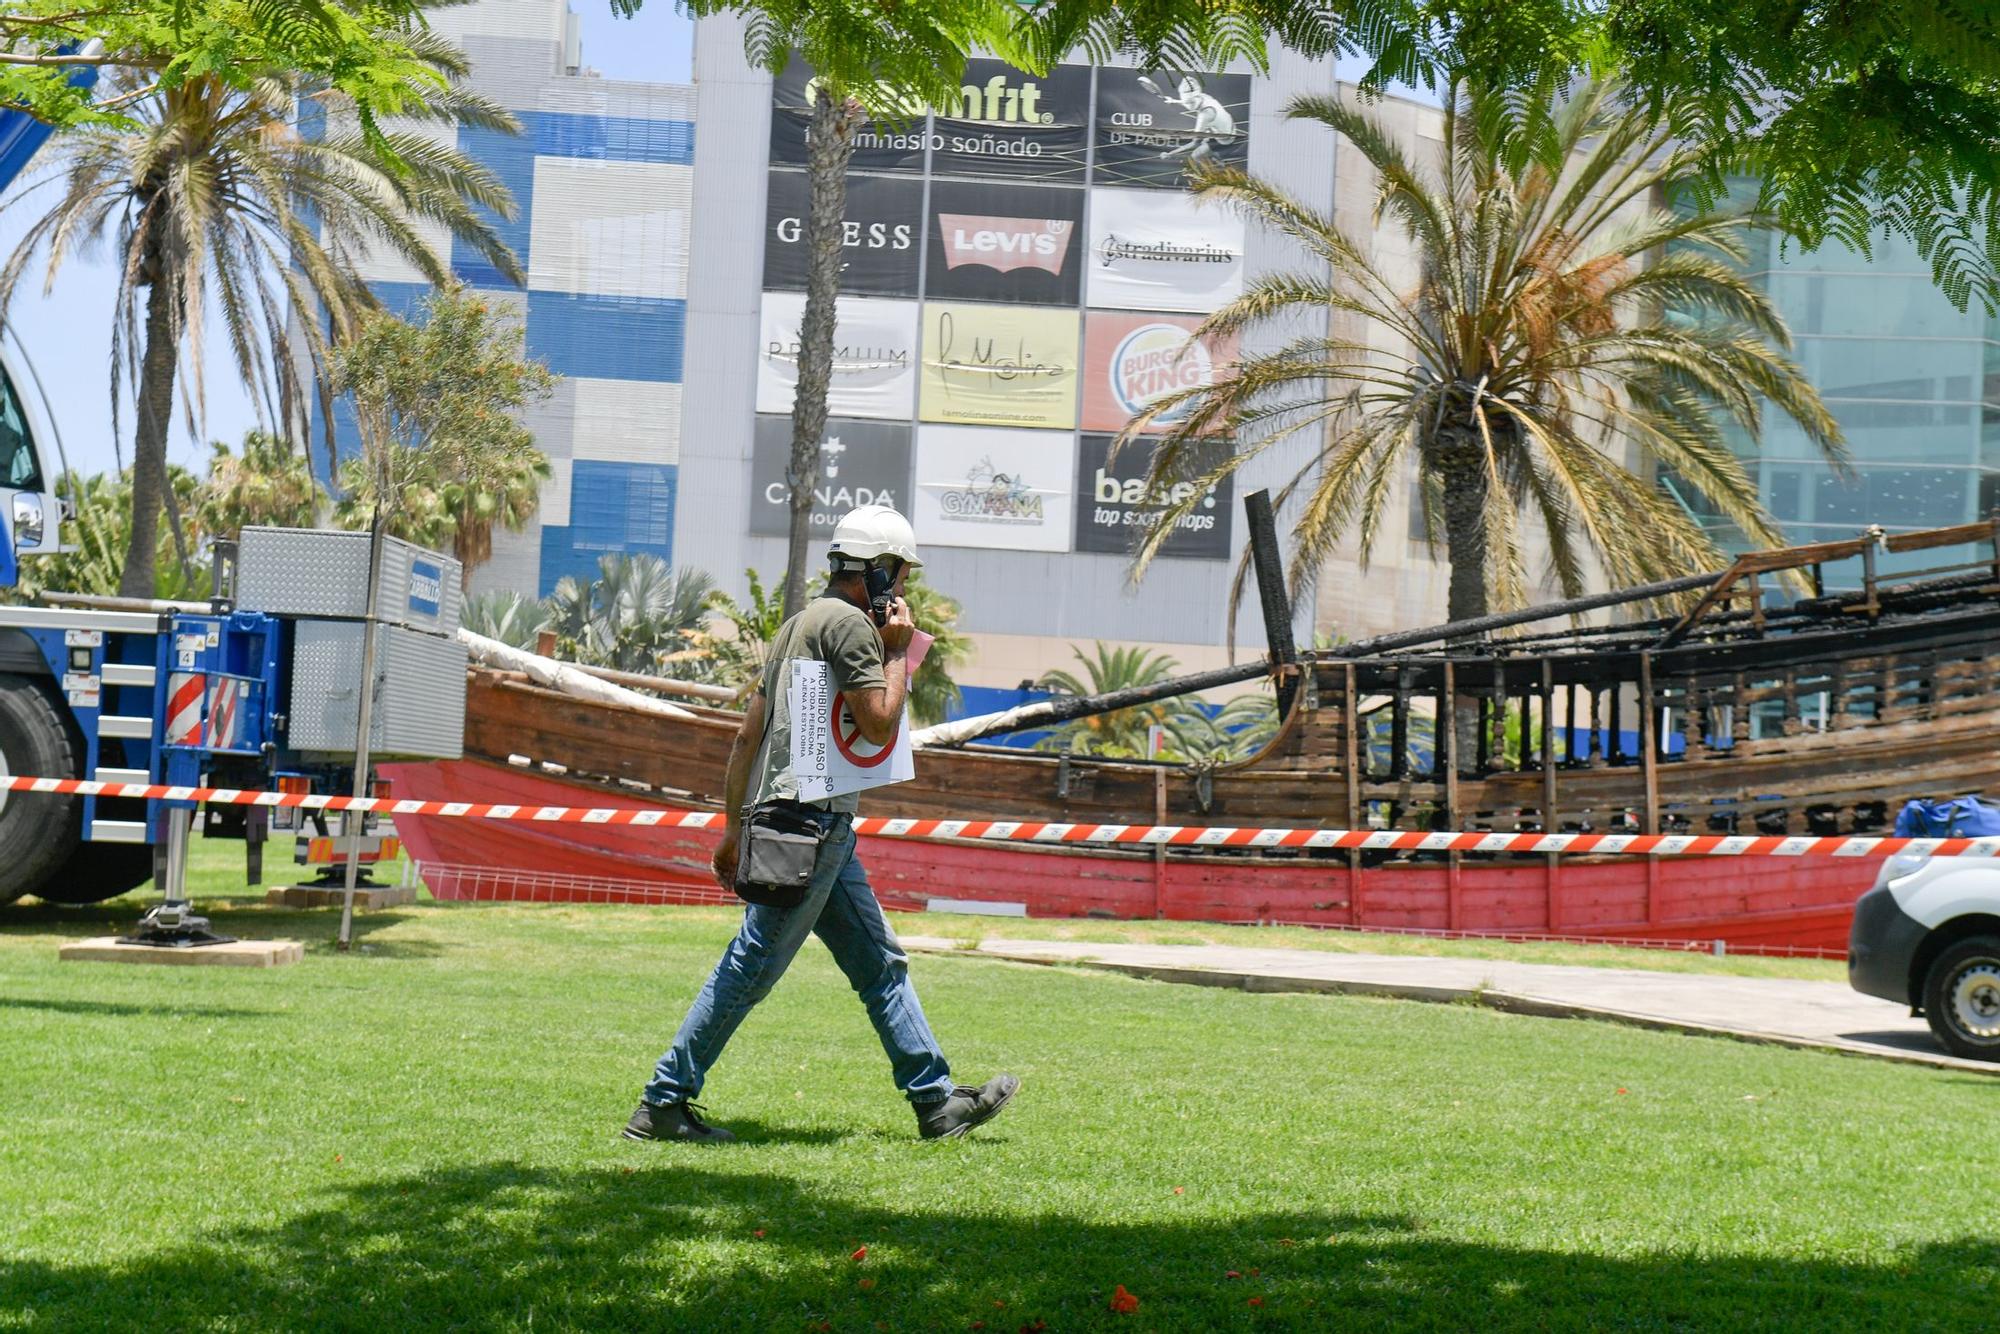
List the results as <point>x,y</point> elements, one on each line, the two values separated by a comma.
<point>860,463</point>
<point>1153,124</point>
<point>880,241</point>
<point>1114,507</point>
<point>874,356</point>
<point>1155,251</point>
<point>1009,123</point>
<point>877,147</point>
<point>1132,361</point>
<point>1005,243</point>
<point>999,365</point>
<point>979,487</point>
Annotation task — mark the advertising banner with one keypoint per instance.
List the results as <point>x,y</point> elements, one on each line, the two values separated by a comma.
<point>860,463</point>
<point>874,356</point>
<point>979,487</point>
<point>1114,508</point>
<point>877,147</point>
<point>1005,243</point>
<point>1154,251</point>
<point>999,365</point>
<point>1008,123</point>
<point>880,241</point>
<point>1132,361</point>
<point>1153,124</point>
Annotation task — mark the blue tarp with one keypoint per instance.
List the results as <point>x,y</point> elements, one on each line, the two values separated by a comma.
<point>1955,817</point>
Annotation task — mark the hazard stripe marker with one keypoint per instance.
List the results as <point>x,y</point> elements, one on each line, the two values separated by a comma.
<point>1035,831</point>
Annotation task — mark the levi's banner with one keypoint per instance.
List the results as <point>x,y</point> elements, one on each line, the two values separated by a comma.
<point>999,365</point>
<point>877,146</point>
<point>1009,123</point>
<point>1132,361</point>
<point>880,238</point>
<point>981,487</point>
<point>1115,506</point>
<point>860,463</point>
<point>1155,251</point>
<point>1153,125</point>
<point>874,356</point>
<point>1003,243</point>
<point>830,757</point>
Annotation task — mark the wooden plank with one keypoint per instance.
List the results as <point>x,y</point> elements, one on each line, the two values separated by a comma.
<point>1650,759</point>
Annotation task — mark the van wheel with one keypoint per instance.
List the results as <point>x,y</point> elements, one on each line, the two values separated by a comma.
<point>37,831</point>
<point>99,871</point>
<point>1962,998</point>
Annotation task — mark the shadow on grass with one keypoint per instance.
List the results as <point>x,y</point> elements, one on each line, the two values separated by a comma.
<point>669,1242</point>
<point>124,1011</point>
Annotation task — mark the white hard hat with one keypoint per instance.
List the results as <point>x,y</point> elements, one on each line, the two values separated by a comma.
<point>874,530</point>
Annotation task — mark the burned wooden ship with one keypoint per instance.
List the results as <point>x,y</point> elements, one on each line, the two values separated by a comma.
<point>1751,710</point>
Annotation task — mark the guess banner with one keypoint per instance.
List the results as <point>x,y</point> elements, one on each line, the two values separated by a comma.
<point>978,487</point>
<point>1153,125</point>
<point>876,147</point>
<point>879,243</point>
<point>1154,251</point>
<point>1005,243</point>
<point>999,365</point>
<point>1132,361</point>
<point>874,356</point>
<point>1114,506</point>
<point>1009,123</point>
<point>860,463</point>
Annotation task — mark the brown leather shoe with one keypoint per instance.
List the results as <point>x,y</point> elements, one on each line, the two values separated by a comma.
<point>965,1108</point>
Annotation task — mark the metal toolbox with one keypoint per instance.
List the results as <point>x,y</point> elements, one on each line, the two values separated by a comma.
<point>419,691</point>
<point>324,572</point>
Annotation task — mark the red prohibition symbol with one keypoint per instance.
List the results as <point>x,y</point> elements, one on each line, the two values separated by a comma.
<point>847,737</point>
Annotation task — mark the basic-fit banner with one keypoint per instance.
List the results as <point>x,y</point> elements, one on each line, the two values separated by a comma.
<point>981,487</point>
<point>1152,125</point>
<point>1009,123</point>
<point>881,237</point>
<point>1004,243</point>
<point>877,147</point>
<point>1131,362</point>
<point>1115,508</point>
<point>874,356</point>
<point>999,365</point>
<point>860,463</point>
<point>1150,250</point>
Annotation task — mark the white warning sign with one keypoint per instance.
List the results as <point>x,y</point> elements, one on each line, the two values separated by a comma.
<point>830,756</point>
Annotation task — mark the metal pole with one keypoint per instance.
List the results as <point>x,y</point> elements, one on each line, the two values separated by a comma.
<point>351,822</point>
<point>1270,570</point>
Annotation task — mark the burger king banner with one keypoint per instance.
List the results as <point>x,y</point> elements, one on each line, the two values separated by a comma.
<point>1131,362</point>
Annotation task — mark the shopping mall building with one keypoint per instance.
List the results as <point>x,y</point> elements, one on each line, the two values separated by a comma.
<point>1023,271</point>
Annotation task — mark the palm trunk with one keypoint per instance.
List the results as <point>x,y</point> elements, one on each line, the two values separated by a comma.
<point>830,145</point>
<point>1465,485</point>
<point>149,447</point>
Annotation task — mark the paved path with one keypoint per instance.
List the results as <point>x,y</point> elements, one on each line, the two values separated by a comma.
<point>1787,1011</point>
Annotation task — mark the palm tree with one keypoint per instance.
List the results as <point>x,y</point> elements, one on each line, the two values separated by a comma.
<point>97,538</point>
<point>509,616</point>
<point>632,616</point>
<point>1537,348</point>
<point>1125,733</point>
<point>268,482</point>
<point>214,193</point>
<point>932,690</point>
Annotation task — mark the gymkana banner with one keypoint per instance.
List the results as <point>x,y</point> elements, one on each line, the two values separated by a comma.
<point>999,366</point>
<point>860,463</point>
<point>874,356</point>
<point>1012,124</point>
<point>1006,490</point>
<point>880,239</point>
<point>1154,251</point>
<point>1132,361</point>
<point>1004,243</point>
<point>1115,508</point>
<point>1152,125</point>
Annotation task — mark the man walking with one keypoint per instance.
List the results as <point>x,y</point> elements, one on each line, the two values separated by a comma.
<point>867,665</point>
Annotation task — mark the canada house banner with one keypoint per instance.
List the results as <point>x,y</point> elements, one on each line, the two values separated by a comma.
<point>983,487</point>
<point>1155,251</point>
<point>881,236</point>
<point>874,356</point>
<point>1152,125</point>
<point>994,242</point>
<point>1115,508</point>
<point>1131,362</point>
<point>860,463</point>
<point>999,365</point>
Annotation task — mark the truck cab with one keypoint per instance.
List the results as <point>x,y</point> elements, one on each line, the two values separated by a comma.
<point>28,501</point>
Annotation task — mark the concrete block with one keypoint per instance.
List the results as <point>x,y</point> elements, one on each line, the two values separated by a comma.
<point>235,954</point>
<point>318,896</point>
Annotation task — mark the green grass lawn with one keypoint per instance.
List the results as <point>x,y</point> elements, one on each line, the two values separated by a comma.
<point>423,1134</point>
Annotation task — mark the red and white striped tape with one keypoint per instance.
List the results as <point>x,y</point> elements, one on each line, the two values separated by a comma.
<point>1038,831</point>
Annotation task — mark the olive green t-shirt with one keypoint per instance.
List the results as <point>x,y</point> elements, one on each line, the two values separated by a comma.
<point>831,630</point>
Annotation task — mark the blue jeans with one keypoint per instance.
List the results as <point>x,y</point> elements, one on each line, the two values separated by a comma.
<point>841,908</point>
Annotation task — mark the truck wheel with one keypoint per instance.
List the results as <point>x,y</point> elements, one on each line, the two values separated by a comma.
<point>98,871</point>
<point>1962,998</point>
<point>37,832</point>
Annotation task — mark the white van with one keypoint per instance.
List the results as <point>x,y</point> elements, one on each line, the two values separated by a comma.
<point>1928,936</point>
